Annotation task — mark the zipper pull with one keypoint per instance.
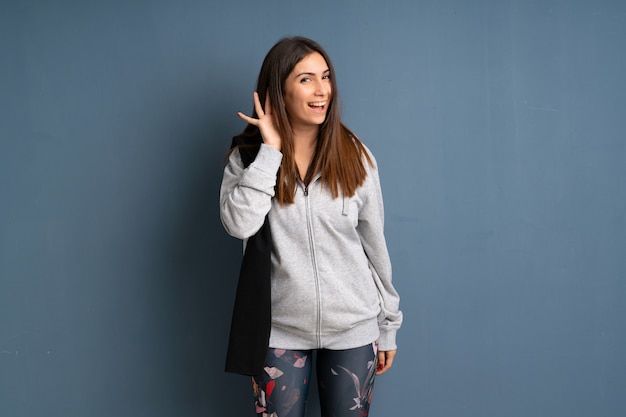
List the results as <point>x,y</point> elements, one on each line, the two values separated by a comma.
<point>306,190</point>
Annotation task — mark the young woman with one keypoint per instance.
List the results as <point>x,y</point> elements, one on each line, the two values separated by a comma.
<point>303,192</point>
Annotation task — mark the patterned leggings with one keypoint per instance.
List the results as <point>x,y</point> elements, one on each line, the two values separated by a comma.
<point>345,380</point>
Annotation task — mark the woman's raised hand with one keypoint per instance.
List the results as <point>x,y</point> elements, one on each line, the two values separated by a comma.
<point>266,121</point>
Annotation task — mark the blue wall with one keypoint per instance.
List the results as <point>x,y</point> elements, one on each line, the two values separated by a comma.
<point>499,129</point>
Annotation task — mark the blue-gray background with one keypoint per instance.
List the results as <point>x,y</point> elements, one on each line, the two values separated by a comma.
<point>499,130</point>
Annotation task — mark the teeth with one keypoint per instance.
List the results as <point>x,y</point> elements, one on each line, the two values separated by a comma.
<point>318,104</point>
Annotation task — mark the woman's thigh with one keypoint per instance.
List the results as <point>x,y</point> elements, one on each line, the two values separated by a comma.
<point>346,380</point>
<point>284,386</point>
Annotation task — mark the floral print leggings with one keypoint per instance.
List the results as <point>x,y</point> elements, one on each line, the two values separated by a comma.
<point>345,380</point>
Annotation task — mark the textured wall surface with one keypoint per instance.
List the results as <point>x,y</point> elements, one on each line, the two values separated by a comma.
<point>499,130</point>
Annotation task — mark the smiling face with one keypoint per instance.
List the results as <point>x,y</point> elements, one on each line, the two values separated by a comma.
<point>307,92</point>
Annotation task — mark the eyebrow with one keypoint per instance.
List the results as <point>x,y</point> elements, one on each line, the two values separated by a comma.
<point>311,73</point>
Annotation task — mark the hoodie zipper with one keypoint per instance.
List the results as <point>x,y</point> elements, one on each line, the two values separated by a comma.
<point>318,298</point>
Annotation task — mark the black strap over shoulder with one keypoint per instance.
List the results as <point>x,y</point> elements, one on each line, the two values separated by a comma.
<point>251,320</point>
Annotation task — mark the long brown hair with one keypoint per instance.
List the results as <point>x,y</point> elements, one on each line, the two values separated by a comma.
<point>339,154</point>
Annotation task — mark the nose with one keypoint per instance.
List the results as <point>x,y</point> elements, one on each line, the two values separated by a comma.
<point>322,88</point>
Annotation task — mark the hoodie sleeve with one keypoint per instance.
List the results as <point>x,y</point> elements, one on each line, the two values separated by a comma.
<point>246,193</point>
<point>371,232</point>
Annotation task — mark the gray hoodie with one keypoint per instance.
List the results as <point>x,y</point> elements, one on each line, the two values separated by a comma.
<point>331,273</point>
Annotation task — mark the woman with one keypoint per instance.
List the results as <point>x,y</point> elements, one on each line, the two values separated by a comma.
<point>303,192</point>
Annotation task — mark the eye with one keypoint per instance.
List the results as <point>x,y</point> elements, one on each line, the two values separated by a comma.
<point>326,77</point>
<point>305,79</point>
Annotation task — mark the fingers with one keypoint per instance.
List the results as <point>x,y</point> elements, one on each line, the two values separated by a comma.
<point>257,105</point>
<point>385,361</point>
<point>265,121</point>
<point>381,363</point>
<point>258,109</point>
<point>248,119</point>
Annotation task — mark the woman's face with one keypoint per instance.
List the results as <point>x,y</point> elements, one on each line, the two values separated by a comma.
<point>307,92</point>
